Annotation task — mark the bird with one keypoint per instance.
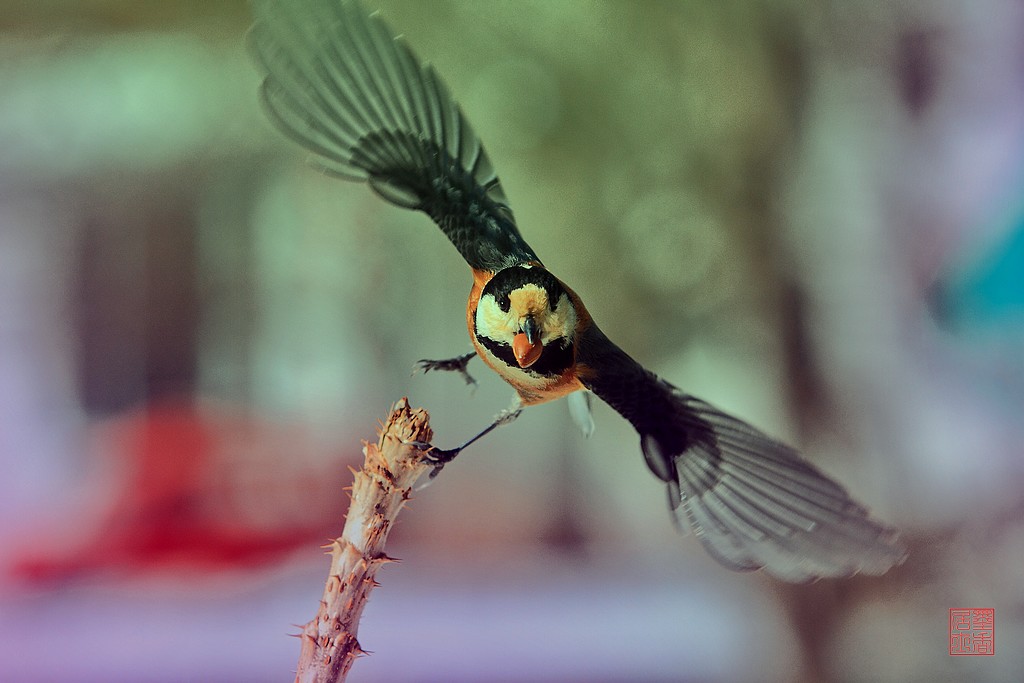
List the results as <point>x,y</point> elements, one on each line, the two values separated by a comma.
<point>339,82</point>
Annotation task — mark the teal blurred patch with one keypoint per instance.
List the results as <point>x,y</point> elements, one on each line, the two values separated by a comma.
<point>988,293</point>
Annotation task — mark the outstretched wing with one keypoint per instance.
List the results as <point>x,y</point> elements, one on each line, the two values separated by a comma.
<point>343,87</point>
<point>752,501</point>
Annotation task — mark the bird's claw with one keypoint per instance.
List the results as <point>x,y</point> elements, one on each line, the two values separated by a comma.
<point>438,457</point>
<point>448,365</point>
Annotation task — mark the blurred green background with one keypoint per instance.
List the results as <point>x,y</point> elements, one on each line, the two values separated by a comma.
<point>792,209</point>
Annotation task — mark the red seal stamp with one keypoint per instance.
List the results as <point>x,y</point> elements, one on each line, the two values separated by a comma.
<point>972,631</point>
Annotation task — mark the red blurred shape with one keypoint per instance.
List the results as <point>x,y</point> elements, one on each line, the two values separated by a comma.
<point>194,488</point>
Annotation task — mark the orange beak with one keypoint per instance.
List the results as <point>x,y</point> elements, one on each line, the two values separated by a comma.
<point>526,352</point>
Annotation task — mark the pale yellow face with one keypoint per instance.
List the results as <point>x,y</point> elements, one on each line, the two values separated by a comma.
<point>530,299</point>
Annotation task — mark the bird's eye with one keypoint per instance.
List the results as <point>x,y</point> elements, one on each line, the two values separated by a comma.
<point>504,302</point>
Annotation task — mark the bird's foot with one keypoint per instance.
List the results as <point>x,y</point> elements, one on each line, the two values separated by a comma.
<point>438,457</point>
<point>449,365</point>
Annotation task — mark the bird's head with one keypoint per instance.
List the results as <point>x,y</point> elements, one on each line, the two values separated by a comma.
<point>524,310</point>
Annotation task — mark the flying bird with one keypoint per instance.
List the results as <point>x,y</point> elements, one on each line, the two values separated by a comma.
<point>339,82</point>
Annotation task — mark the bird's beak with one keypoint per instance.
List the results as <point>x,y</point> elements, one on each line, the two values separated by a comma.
<point>526,345</point>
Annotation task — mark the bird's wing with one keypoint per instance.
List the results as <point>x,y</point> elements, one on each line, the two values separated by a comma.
<point>752,501</point>
<point>340,84</point>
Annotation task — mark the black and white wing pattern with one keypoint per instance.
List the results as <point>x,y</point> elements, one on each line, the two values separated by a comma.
<point>340,84</point>
<point>752,501</point>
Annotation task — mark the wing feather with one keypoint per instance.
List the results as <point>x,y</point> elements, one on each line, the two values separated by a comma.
<point>338,83</point>
<point>751,500</point>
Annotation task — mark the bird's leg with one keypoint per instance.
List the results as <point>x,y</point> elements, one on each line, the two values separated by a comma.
<point>441,457</point>
<point>449,365</point>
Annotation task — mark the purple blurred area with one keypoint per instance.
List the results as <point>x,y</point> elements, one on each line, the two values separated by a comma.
<point>807,213</point>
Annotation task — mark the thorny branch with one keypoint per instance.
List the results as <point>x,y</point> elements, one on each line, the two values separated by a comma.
<point>379,491</point>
